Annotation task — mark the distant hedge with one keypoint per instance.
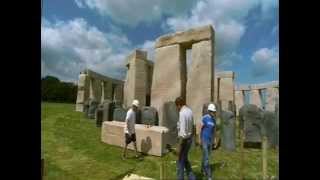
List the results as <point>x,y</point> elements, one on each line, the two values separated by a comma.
<point>54,90</point>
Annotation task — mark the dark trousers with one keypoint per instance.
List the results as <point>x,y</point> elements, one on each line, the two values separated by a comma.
<point>183,162</point>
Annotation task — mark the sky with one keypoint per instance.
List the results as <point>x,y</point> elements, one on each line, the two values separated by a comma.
<point>100,34</point>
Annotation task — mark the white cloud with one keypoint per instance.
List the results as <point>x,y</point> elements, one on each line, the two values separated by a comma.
<point>133,12</point>
<point>149,47</point>
<point>265,61</point>
<point>228,17</point>
<point>70,46</point>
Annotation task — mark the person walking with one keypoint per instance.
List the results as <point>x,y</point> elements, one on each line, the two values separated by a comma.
<point>129,128</point>
<point>207,135</point>
<point>185,136</point>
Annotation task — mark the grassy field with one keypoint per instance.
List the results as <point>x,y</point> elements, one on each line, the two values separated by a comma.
<point>73,150</point>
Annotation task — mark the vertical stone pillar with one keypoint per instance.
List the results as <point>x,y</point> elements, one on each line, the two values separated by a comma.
<point>201,79</point>
<point>255,98</point>
<point>239,100</point>
<point>102,92</point>
<point>271,98</point>
<point>226,89</point>
<point>167,77</point>
<point>108,90</point>
<point>83,92</point>
<point>91,89</point>
<point>118,93</point>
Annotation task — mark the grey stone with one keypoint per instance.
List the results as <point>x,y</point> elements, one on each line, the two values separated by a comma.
<point>149,116</point>
<point>171,117</point>
<point>107,110</point>
<point>119,114</point>
<point>228,130</point>
<point>251,121</point>
<point>93,105</point>
<point>99,116</point>
<point>270,127</point>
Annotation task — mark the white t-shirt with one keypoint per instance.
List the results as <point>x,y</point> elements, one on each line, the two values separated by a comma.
<point>185,123</point>
<point>130,122</point>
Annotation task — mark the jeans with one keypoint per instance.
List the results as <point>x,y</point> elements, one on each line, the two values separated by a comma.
<point>183,162</point>
<point>205,165</point>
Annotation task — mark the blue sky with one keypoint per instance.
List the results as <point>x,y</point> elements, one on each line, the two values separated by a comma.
<point>99,34</point>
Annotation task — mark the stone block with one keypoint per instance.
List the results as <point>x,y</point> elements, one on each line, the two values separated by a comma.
<point>79,107</point>
<point>170,120</point>
<point>270,127</point>
<point>200,79</point>
<point>228,131</point>
<point>149,116</point>
<point>119,114</point>
<point>168,79</point>
<point>239,100</point>
<point>272,95</point>
<point>251,121</point>
<point>93,105</point>
<point>256,98</point>
<point>150,140</point>
<point>186,38</point>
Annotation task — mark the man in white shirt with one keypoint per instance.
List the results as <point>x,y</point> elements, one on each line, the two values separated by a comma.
<point>129,128</point>
<point>185,135</point>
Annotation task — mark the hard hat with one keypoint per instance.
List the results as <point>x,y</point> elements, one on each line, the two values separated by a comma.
<point>136,103</point>
<point>212,107</point>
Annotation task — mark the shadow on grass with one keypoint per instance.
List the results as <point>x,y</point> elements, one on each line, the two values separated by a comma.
<point>120,176</point>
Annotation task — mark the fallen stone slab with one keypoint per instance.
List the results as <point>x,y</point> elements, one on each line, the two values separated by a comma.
<point>150,140</point>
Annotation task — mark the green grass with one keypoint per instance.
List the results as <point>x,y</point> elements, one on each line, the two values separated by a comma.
<point>73,150</point>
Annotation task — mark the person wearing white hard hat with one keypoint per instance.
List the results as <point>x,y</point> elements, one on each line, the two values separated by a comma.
<point>129,128</point>
<point>207,134</point>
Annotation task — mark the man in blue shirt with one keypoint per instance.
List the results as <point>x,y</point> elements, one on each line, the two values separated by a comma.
<point>207,134</point>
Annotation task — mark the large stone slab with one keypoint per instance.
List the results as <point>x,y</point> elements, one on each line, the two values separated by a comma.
<point>200,79</point>
<point>186,38</point>
<point>169,78</point>
<point>93,105</point>
<point>251,121</point>
<point>228,130</point>
<point>119,114</point>
<point>150,140</point>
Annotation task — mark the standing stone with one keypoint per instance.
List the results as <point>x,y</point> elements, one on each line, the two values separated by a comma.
<point>107,110</point>
<point>256,98</point>
<point>225,90</point>
<point>118,93</point>
<point>228,130</point>
<point>171,118</point>
<point>239,100</point>
<point>270,127</point>
<point>83,92</point>
<point>119,114</point>
<point>272,96</point>
<point>149,116</point>
<point>99,115</point>
<point>93,105</point>
<point>137,80</point>
<point>251,121</point>
<point>168,80</point>
<point>200,79</point>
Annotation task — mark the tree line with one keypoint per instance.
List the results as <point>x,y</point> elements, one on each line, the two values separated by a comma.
<point>54,90</point>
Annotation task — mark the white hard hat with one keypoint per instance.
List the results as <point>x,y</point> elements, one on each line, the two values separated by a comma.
<point>135,102</point>
<point>212,107</point>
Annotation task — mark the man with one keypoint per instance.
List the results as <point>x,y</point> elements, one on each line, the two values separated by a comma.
<point>207,135</point>
<point>185,136</point>
<point>129,128</point>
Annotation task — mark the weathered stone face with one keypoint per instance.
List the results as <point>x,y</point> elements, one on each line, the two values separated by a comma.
<point>256,98</point>
<point>83,92</point>
<point>200,80</point>
<point>99,116</point>
<point>270,127</point>
<point>149,116</point>
<point>107,110</point>
<point>239,100</point>
<point>119,114</point>
<point>168,79</point>
<point>149,140</point>
<point>251,121</point>
<point>228,130</point>
<point>272,96</point>
<point>138,78</point>
<point>93,105</point>
<point>225,93</point>
<point>171,118</point>
<point>186,38</point>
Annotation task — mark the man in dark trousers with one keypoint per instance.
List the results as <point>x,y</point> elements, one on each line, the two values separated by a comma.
<point>185,136</point>
<point>129,128</point>
<point>207,135</point>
